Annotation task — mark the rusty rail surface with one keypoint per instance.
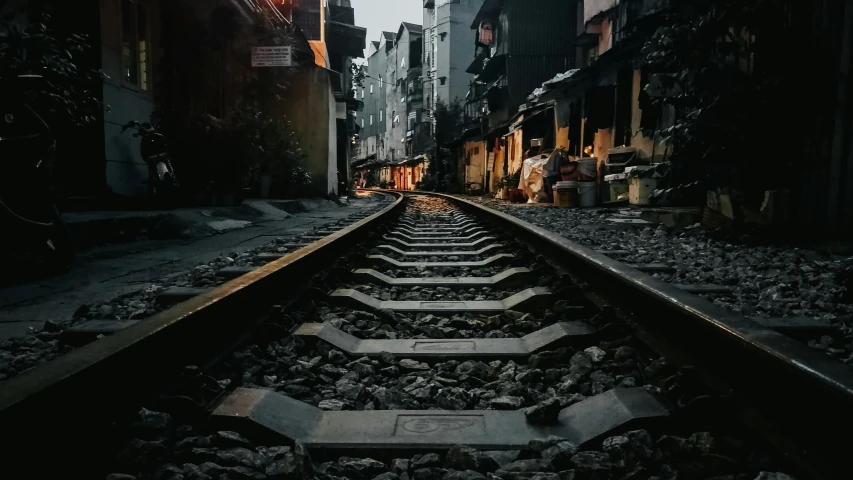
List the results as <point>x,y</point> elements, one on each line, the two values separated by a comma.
<point>53,404</point>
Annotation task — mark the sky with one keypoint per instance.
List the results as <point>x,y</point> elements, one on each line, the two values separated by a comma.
<point>379,15</point>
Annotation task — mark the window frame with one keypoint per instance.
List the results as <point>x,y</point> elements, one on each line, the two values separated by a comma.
<point>148,80</point>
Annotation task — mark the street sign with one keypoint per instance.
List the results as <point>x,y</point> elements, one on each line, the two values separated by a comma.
<point>271,56</point>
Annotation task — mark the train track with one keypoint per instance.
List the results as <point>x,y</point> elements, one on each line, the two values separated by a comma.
<point>381,348</point>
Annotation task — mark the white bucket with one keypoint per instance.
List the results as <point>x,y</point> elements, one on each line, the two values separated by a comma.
<point>588,192</point>
<point>588,168</point>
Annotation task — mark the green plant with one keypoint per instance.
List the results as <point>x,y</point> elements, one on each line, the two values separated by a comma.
<point>723,68</point>
<point>66,93</point>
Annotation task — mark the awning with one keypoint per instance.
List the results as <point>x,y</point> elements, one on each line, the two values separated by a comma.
<point>352,103</point>
<point>360,162</point>
<point>407,162</point>
<point>493,68</point>
<point>476,66</point>
<point>528,117</point>
<point>528,113</point>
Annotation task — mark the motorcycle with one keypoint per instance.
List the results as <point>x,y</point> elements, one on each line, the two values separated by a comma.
<point>34,230</point>
<point>162,182</point>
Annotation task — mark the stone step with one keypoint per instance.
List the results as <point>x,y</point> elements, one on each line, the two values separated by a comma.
<point>525,300</point>
<point>499,259</point>
<point>654,268</point>
<point>176,295</point>
<point>513,277</point>
<point>462,253</point>
<point>705,289</point>
<point>89,331</point>
<point>552,337</point>
<point>266,413</point>
<point>445,243</point>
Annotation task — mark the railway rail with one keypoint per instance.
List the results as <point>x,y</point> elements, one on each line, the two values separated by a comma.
<point>384,347</point>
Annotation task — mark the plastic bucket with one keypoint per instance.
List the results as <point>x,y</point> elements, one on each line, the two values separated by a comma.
<point>588,169</point>
<point>566,194</point>
<point>588,194</point>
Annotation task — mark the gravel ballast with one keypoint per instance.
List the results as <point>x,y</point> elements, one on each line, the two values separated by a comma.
<point>766,280</point>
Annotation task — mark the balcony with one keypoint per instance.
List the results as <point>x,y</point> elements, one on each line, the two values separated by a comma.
<point>415,98</point>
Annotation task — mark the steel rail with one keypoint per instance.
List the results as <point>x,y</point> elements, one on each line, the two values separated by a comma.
<point>52,409</point>
<point>798,398</point>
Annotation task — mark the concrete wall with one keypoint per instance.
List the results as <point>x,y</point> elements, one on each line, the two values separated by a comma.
<point>646,146</point>
<point>454,53</point>
<point>396,74</point>
<point>332,152</point>
<point>461,47</point>
<point>126,172</point>
<point>310,107</point>
<point>475,170</point>
<point>374,103</point>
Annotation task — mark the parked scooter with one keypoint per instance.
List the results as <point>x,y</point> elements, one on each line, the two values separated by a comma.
<point>33,230</point>
<point>162,182</point>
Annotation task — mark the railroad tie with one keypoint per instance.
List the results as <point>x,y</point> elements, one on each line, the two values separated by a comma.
<point>654,268</point>
<point>522,301</point>
<point>448,243</point>
<point>513,277</point>
<point>553,337</point>
<point>268,413</point>
<point>176,295</point>
<point>461,253</point>
<point>499,259</point>
<point>427,238</point>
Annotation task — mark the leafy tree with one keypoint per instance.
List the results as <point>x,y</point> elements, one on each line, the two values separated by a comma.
<point>442,174</point>
<point>67,94</point>
<point>724,67</point>
<point>358,73</point>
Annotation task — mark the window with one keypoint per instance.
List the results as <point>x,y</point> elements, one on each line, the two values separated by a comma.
<point>371,88</point>
<point>442,35</point>
<point>362,123</point>
<point>135,45</point>
<point>371,119</point>
<point>443,80</point>
<point>403,63</point>
<point>380,115</point>
<point>362,93</point>
<point>381,81</point>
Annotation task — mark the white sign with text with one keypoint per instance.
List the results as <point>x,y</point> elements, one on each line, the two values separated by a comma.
<point>271,56</point>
